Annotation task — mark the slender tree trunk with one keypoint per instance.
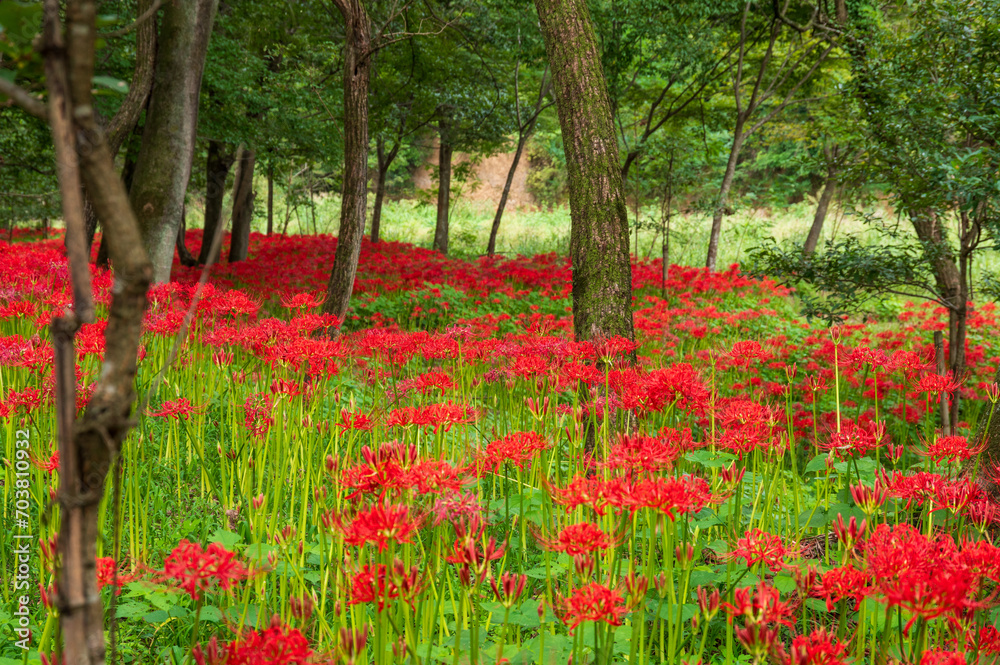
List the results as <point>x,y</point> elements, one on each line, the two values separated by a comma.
<point>822,207</point>
<point>217,166</point>
<point>183,254</point>
<point>723,201</point>
<point>243,197</point>
<point>124,121</point>
<point>491,247</point>
<point>385,160</point>
<point>270,198</point>
<point>164,164</point>
<point>88,445</point>
<point>599,239</point>
<point>444,186</point>
<point>354,200</point>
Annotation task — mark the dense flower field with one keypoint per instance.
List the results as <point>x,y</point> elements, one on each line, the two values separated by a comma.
<point>455,480</point>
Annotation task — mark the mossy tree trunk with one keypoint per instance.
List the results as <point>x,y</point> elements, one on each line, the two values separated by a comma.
<point>220,160</point>
<point>599,241</point>
<point>243,198</point>
<point>354,202</point>
<point>445,153</point>
<point>164,165</point>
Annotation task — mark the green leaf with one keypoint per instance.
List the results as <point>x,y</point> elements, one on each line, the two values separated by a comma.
<point>816,464</point>
<point>211,614</point>
<point>710,460</point>
<point>20,21</point>
<point>158,616</point>
<point>227,539</point>
<point>111,83</point>
<point>131,610</point>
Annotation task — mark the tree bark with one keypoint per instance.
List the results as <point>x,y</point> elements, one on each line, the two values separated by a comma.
<point>385,160</point>
<point>164,165</point>
<point>124,120</point>
<point>183,254</point>
<point>491,246</point>
<point>217,166</point>
<point>822,207</point>
<point>599,241</point>
<point>722,204</point>
<point>270,198</point>
<point>445,152</point>
<point>88,446</point>
<point>243,197</point>
<point>354,199</point>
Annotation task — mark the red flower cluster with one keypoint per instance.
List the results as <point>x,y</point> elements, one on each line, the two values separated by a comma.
<point>276,645</point>
<point>195,570</point>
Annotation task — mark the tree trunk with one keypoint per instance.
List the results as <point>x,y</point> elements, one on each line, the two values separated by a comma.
<point>385,160</point>
<point>723,202</point>
<point>124,121</point>
<point>164,165</point>
<point>599,239</point>
<point>270,198</point>
<point>491,247</point>
<point>183,254</point>
<point>444,186</point>
<point>243,197</point>
<point>822,207</point>
<point>88,445</point>
<point>219,161</point>
<point>354,200</point>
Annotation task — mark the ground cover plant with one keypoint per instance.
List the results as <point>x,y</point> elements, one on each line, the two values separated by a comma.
<point>455,480</point>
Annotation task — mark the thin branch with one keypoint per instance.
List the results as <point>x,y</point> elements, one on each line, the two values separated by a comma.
<point>24,99</point>
<point>146,15</point>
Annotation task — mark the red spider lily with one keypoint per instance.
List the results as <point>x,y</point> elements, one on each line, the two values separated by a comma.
<point>749,426</point>
<point>50,465</point>
<point>457,508</point>
<point>670,496</point>
<point>844,582</point>
<point>352,643</point>
<point>942,657</point>
<point>593,602</point>
<point>518,448</point>
<point>577,539</point>
<point>257,414</point>
<point>950,448</point>
<point>869,499</point>
<point>277,645</point>
<point>195,570</point>
<point>709,603</point>
<point>759,605</point>
<point>433,415</point>
<point>177,409</point>
<point>381,584</point>
<point>509,590</point>
<point>935,383</point>
<point>301,300</point>
<point>642,454</point>
<point>472,558</point>
<point>855,439</point>
<point>818,648</point>
<point>379,525</point>
<point>356,421</point>
<point>758,546</point>
<point>922,486</point>
<point>758,639</point>
<point>107,573</point>
<point>745,352</point>
<point>849,534</point>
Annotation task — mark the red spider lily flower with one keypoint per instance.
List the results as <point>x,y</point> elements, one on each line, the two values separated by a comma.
<point>593,602</point>
<point>757,546</point>
<point>748,425</point>
<point>745,352</point>
<point>509,590</point>
<point>361,422</point>
<point>950,448</point>
<point>759,605</point>
<point>177,409</point>
<point>942,657</point>
<point>598,494</point>
<point>379,525</point>
<point>277,645</point>
<point>849,534</point>
<point>107,573</point>
<point>195,570</point>
<point>257,414</point>
<point>670,496</point>
<point>50,465</point>
<point>709,603</point>
<point>877,358</point>
<point>844,582</point>
<point>758,639</point>
<point>381,584</point>
<point>457,508</point>
<point>301,300</point>
<point>473,559</point>
<point>518,448</point>
<point>352,643</point>
<point>855,439</point>
<point>818,648</point>
<point>869,499</point>
<point>577,539</point>
<point>936,383</point>
<point>643,454</point>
